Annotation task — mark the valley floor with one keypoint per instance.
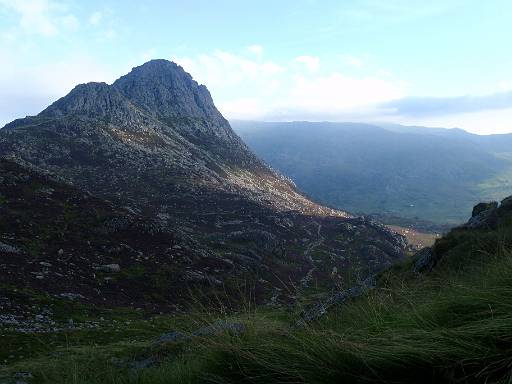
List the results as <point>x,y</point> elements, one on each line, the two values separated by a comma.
<point>415,238</point>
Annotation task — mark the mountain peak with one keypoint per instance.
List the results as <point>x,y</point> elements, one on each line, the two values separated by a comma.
<point>158,65</point>
<point>160,88</point>
<point>164,89</point>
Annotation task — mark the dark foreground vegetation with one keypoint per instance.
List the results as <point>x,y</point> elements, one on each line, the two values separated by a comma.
<point>452,324</point>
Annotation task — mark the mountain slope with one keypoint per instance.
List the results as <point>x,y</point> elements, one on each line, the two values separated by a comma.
<point>450,323</point>
<point>410,172</point>
<point>153,146</point>
<point>61,241</point>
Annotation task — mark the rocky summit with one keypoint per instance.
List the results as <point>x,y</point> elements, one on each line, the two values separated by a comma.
<point>139,193</point>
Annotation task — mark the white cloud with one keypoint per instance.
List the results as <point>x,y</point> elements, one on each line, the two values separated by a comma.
<point>8,37</point>
<point>223,68</point>
<point>96,18</point>
<point>245,108</point>
<point>442,106</point>
<point>505,86</point>
<point>107,34</point>
<point>354,61</point>
<point>336,92</point>
<point>104,24</point>
<point>312,63</point>
<point>255,49</point>
<point>70,22</point>
<point>43,17</point>
<point>246,88</point>
<point>249,88</point>
<point>481,122</point>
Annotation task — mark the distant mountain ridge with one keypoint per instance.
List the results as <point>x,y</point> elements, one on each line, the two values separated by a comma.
<point>389,170</point>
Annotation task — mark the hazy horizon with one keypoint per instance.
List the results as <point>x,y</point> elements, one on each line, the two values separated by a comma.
<point>380,124</point>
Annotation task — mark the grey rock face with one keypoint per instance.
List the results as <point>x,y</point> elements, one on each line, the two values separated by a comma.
<point>220,327</point>
<point>341,297</point>
<point>484,216</point>
<point>482,207</point>
<point>213,329</point>
<point>164,89</point>
<point>71,296</point>
<point>170,337</point>
<point>488,215</point>
<point>91,99</point>
<point>426,260</point>
<point>506,203</point>
<point>8,248</point>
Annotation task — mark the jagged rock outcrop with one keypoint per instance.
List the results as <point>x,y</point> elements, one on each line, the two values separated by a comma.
<point>341,297</point>
<point>153,146</point>
<point>487,215</point>
<point>425,260</point>
<point>482,207</point>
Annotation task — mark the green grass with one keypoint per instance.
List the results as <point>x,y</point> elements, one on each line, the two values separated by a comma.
<point>452,325</point>
<point>456,325</point>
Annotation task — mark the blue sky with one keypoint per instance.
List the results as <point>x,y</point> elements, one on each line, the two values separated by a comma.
<point>438,63</point>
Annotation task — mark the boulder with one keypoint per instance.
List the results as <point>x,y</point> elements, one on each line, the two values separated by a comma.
<point>341,297</point>
<point>109,268</point>
<point>169,337</point>
<point>220,327</point>
<point>482,207</point>
<point>213,329</point>
<point>425,260</point>
<point>506,203</point>
<point>9,248</point>
<point>485,215</point>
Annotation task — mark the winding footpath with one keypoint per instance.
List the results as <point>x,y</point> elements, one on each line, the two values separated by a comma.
<point>307,254</point>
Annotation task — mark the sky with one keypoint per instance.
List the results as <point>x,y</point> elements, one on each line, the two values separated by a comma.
<point>433,63</point>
